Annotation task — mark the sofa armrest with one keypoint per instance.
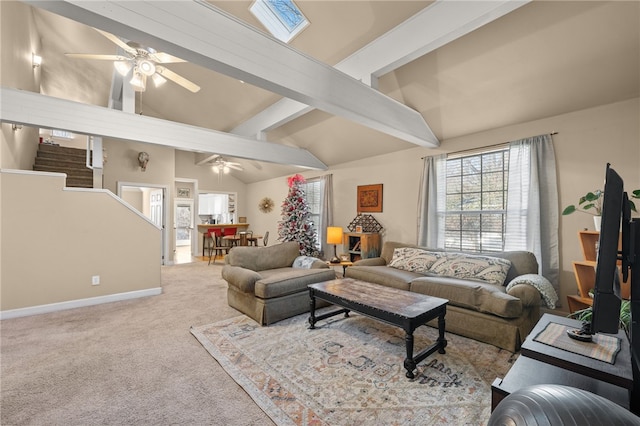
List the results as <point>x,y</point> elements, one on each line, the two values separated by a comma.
<point>528,295</point>
<point>372,261</point>
<point>241,278</point>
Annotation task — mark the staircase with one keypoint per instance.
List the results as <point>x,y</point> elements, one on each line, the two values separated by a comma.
<point>72,161</point>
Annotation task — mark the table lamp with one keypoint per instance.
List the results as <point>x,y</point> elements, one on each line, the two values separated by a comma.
<point>334,236</point>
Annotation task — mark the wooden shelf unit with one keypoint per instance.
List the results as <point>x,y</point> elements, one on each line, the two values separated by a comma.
<point>585,273</point>
<point>361,245</point>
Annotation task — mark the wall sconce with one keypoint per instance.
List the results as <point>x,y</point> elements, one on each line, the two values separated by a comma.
<point>334,236</point>
<point>15,126</point>
<point>36,60</point>
<point>143,159</point>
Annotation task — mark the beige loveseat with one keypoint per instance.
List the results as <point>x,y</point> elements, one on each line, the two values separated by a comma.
<point>477,309</point>
<point>265,285</point>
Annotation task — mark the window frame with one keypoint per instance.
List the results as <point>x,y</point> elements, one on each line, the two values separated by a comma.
<point>473,232</point>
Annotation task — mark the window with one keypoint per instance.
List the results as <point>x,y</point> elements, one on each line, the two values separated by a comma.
<point>313,189</point>
<point>476,201</point>
<point>282,18</point>
<point>61,134</point>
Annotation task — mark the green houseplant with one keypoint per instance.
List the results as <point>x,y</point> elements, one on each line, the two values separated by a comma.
<point>625,315</point>
<point>591,203</point>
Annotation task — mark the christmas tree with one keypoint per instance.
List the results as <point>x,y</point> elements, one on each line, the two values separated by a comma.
<point>296,224</point>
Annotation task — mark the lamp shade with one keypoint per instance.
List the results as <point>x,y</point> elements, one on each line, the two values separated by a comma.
<point>334,235</point>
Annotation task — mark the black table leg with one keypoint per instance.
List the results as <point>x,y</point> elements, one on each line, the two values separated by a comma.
<point>442,342</point>
<point>409,362</point>
<point>312,310</point>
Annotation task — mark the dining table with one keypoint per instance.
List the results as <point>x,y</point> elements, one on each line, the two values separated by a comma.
<point>241,238</point>
<point>204,228</point>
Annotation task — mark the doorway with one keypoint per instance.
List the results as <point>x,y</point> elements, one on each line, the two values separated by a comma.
<point>151,202</point>
<point>184,226</point>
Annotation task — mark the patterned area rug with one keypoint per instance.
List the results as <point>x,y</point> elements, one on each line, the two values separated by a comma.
<point>349,371</point>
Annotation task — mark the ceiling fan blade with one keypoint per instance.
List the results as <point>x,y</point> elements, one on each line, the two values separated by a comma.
<point>234,166</point>
<point>119,42</point>
<point>167,73</point>
<point>99,57</point>
<point>165,58</point>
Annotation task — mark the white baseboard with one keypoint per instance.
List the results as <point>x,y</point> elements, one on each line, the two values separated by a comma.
<point>79,303</point>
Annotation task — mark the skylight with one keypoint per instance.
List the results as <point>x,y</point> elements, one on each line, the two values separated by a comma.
<point>281,17</point>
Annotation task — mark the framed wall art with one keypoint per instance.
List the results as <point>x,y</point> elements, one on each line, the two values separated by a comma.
<point>184,193</point>
<point>370,198</point>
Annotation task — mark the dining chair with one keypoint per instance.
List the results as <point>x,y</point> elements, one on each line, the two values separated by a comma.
<point>252,241</point>
<point>265,239</point>
<point>215,247</point>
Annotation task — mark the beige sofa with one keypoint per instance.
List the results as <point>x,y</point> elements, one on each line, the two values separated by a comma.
<point>264,285</point>
<point>480,310</point>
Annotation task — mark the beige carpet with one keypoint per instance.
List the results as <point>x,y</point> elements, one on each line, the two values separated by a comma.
<point>124,363</point>
<point>349,371</point>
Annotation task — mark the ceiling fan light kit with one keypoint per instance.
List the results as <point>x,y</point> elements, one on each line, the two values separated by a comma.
<point>123,67</point>
<point>144,62</point>
<point>138,81</point>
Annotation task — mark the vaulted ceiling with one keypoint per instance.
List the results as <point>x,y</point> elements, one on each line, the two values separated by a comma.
<point>538,60</point>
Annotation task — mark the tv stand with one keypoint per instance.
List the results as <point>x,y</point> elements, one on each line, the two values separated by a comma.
<point>540,363</point>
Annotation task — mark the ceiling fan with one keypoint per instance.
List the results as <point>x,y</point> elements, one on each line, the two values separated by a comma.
<point>220,165</point>
<point>144,61</point>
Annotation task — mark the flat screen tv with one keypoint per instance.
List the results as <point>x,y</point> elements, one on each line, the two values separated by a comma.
<point>606,294</point>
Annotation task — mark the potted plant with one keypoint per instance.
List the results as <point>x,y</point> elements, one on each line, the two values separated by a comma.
<point>625,315</point>
<point>591,203</point>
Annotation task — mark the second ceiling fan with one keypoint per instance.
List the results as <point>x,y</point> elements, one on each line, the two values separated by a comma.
<point>143,62</point>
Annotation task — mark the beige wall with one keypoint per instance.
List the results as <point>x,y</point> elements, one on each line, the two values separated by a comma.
<point>585,142</point>
<point>55,240</point>
<point>17,42</point>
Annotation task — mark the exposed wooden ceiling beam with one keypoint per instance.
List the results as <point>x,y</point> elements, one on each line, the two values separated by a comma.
<point>205,35</point>
<point>34,109</point>
<point>426,31</point>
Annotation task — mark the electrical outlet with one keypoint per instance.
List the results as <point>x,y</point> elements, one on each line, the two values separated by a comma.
<point>95,280</point>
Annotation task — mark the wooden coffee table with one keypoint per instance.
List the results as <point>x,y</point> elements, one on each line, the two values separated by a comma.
<point>399,308</point>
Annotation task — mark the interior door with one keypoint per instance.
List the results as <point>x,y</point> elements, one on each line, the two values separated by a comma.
<point>184,219</point>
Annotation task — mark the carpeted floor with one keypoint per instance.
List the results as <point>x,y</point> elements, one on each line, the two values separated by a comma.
<point>136,362</point>
<point>349,371</point>
<point>125,363</point>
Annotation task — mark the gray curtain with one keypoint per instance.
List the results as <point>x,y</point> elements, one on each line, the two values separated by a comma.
<point>532,203</point>
<point>431,202</point>
<point>326,214</point>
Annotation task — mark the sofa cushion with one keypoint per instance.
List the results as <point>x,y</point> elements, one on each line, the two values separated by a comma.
<point>413,259</point>
<point>476,295</point>
<point>390,277</point>
<point>484,268</point>
<point>284,281</point>
<point>261,258</point>
<point>522,262</point>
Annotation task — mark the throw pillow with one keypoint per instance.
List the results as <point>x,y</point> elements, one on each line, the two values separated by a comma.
<point>484,268</point>
<point>413,259</point>
<point>542,284</point>
<point>304,262</point>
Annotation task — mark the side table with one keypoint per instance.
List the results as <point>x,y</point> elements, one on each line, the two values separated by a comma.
<point>539,363</point>
<point>344,265</point>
